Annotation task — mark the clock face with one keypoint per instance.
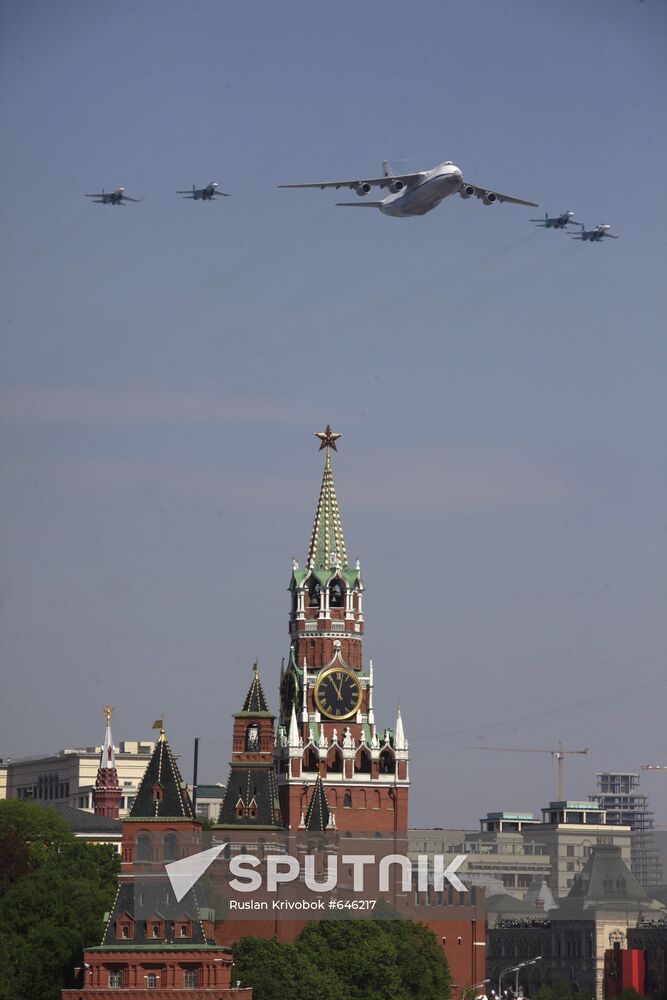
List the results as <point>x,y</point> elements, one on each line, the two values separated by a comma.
<point>288,691</point>
<point>337,693</point>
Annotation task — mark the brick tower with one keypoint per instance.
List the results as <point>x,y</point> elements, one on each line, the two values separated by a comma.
<point>327,719</point>
<point>107,791</point>
<point>251,796</point>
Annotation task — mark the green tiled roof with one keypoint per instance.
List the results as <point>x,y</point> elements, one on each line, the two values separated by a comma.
<point>326,541</point>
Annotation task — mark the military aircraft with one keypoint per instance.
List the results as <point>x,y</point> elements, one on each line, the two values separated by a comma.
<point>207,193</point>
<point>558,222</point>
<point>117,197</point>
<point>595,235</point>
<point>415,193</point>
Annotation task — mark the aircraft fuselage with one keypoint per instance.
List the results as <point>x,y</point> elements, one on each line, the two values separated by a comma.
<point>420,198</point>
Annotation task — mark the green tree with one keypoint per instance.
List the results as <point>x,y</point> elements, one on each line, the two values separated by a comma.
<point>355,960</point>
<point>53,906</point>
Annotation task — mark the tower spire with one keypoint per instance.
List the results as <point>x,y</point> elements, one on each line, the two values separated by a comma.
<point>327,545</point>
<point>107,792</point>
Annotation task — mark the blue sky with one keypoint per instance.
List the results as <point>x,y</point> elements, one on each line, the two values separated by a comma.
<point>499,388</point>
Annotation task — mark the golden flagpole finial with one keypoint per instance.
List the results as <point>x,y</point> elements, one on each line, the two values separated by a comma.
<point>327,438</point>
<point>159,724</point>
<point>108,712</point>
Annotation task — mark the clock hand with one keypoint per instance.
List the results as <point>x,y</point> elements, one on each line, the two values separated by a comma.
<point>338,690</point>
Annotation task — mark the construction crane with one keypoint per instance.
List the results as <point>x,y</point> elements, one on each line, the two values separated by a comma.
<point>558,753</point>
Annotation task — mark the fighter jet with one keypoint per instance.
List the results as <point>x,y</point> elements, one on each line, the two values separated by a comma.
<point>558,222</point>
<point>207,193</point>
<point>413,194</point>
<point>117,197</point>
<point>595,235</point>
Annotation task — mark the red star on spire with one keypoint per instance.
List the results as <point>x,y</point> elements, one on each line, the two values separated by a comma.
<point>327,438</point>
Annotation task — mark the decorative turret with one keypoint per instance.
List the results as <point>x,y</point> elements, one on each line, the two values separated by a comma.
<point>107,791</point>
<point>251,795</point>
<point>318,818</point>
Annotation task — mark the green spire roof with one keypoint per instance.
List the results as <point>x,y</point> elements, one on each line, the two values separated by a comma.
<point>327,545</point>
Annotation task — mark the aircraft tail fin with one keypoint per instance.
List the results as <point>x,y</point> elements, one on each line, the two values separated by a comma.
<point>386,169</point>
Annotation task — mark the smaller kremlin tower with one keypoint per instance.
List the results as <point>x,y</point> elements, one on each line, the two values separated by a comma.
<point>107,791</point>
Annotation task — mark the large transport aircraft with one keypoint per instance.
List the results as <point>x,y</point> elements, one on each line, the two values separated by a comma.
<point>416,193</point>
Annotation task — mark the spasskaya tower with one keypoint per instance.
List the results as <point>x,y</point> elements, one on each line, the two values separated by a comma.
<point>327,715</point>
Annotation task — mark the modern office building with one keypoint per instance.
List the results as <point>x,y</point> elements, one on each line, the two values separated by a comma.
<point>619,794</point>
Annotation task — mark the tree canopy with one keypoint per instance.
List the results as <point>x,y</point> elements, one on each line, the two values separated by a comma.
<point>347,960</point>
<point>54,892</point>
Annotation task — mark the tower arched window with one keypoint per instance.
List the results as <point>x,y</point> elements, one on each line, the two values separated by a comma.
<point>311,760</point>
<point>144,850</point>
<point>336,594</point>
<point>170,847</point>
<point>387,762</point>
<point>335,761</point>
<point>314,591</point>
<point>362,762</point>
<point>347,800</point>
<point>252,737</point>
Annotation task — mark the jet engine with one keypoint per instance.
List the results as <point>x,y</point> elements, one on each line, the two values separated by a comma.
<point>467,191</point>
<point>489,197</point>
<point>363,189</point>
<point>396,186</point>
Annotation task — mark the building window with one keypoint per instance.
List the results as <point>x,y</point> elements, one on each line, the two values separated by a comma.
<point>336,595</point>
<point>183,930</point>
<point>347,801</point>
<point>125,932</point>
<point>190,978</point>
<point>151,981</point>
<point>170,847</point>
<point>144,852</point>
<point>569,851</point>
<point>155,931</point>
<point>252,737</point>
<point>115,980</point>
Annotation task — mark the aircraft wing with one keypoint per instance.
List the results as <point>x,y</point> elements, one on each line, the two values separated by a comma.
<point>481,191</point>
<point>189,194</point>
<point>126,197</point>
<point>380,182</point>
<point>223,194</point>
<point>102,195</point>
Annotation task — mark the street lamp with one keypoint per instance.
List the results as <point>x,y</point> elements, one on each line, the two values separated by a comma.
<point>522,965</point>
<point>475,987</point>
<point>510,968</point>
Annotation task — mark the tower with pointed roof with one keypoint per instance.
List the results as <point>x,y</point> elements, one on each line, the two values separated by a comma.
<point>251,794</point>
<point>155,938</point>
<point>107,792</point>
<point>328,731</point>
